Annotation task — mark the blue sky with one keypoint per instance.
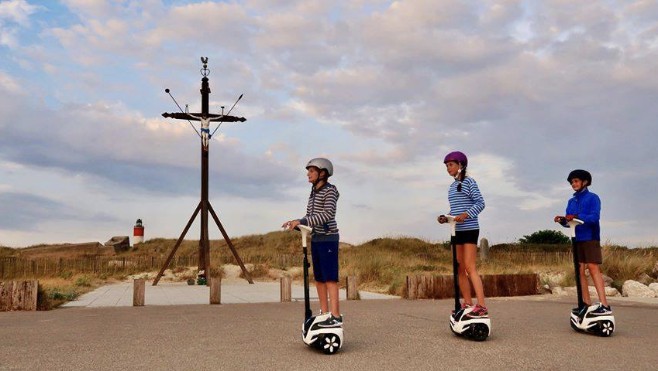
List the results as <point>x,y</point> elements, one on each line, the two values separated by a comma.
<point>528,89</point>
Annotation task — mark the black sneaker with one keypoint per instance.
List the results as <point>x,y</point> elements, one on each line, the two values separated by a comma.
<point>576,310</point>
<point>602,310</point>
<point>332,322</point>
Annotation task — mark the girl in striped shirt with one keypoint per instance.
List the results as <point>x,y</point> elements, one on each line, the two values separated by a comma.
<point>466,203</point>
<point>320,215</point>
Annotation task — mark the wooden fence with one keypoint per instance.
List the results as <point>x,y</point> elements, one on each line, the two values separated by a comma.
<point>546,258</point>
<point>12,267</point>
<point>441,287</point>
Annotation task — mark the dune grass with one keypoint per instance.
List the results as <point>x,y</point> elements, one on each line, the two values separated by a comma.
<point>380,264</point>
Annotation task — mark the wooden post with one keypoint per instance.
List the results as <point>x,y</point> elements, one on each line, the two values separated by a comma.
<point>215,290</point>
<point>18,295</point>
<point>484,249</point>
<point>352,288</point>
<point>286,289</point>
<point>139,287</point>
<point>411,287</point>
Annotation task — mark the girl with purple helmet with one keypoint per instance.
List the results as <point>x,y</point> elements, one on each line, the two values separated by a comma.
<point>466,203</point>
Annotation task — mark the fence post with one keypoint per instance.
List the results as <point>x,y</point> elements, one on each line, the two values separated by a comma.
<point>412,285</point>
<point>484,249</point>
<point>286,289</point>
<point>18,295</point>
<point>352,288</point>
<point>139,287</point>
<point>215,290</point>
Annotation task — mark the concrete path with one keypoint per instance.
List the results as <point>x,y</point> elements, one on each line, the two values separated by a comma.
<point>232,292</point>
<point>379,335</point>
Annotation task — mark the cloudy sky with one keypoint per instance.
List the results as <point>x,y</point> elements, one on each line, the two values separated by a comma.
<point>528,89</point>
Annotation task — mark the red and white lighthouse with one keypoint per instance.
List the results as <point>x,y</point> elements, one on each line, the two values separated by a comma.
<point>138,232</point>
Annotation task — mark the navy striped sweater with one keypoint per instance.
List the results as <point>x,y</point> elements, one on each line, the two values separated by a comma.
<point>469,200</point>
<point>321,213</point>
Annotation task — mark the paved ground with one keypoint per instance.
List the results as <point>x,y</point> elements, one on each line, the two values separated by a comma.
<point>232,292</point>
<point>528,333</point>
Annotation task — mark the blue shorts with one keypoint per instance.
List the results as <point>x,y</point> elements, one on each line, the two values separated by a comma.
<point>325,260</point>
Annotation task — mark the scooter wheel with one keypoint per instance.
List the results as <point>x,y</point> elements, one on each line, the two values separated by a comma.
<point>330,343</point>
<point>606,328</point>
<point>480,332</point>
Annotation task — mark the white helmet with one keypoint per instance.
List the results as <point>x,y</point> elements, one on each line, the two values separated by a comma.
<point>322,164</point>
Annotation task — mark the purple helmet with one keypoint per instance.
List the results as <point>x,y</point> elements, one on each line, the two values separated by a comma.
<point>458,157</point>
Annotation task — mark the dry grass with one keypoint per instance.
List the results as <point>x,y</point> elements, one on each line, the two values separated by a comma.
<point>380,265</point>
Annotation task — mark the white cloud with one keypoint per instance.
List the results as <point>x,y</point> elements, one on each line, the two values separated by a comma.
<point>14,15</point>
<point>530,90</point>
<point>10,84</point>
<point>17,11</point>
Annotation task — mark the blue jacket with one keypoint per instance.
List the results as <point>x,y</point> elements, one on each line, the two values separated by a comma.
<point>469,200</point>
<point>586,206</point>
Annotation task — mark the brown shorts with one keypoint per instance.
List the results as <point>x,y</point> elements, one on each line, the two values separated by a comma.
<point>589,252</point>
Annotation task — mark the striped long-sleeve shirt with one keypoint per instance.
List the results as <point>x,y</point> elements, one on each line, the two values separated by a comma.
<point>321,213</point>
<point>469,200</point>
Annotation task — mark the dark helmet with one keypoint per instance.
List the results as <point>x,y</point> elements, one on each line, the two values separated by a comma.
<point>458,157</point>
<point>580,174</point>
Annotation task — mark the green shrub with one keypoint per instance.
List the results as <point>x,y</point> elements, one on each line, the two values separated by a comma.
<point>546,236</point>
<point>83,281</point>
<point>66,275</point>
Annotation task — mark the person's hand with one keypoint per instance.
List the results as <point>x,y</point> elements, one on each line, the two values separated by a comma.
<point>559,219</point>
<point>442,219</point>
<point>290,224</point>
<point>570,217</point>
<point>461,217</point>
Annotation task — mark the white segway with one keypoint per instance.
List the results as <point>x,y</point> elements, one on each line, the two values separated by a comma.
<point>314,333</point>
<point>583,319</point>
<point>461,323</point>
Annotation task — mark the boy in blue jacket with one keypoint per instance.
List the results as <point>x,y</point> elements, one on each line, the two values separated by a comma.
<point>586,206</point>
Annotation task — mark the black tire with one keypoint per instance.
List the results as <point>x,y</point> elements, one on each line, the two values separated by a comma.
<point>606,328</point>
<point>480,332</point>
<point>330,343</point>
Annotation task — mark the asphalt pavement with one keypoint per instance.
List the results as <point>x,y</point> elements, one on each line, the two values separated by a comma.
<point>529,333</point>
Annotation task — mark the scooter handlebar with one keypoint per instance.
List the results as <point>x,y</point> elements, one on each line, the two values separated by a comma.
<point>451,222</point>
<point>572,224</point>
<point>306,230</point>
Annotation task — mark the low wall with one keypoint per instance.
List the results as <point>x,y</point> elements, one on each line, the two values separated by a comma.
<point>441,287</point>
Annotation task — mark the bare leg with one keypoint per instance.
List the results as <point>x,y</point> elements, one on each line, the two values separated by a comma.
<point>332,287</point>
<point>464,284</point>
<point>470,255</point>
<point>322,295</point>
<point>584,286</point>
<point>597,277</point>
